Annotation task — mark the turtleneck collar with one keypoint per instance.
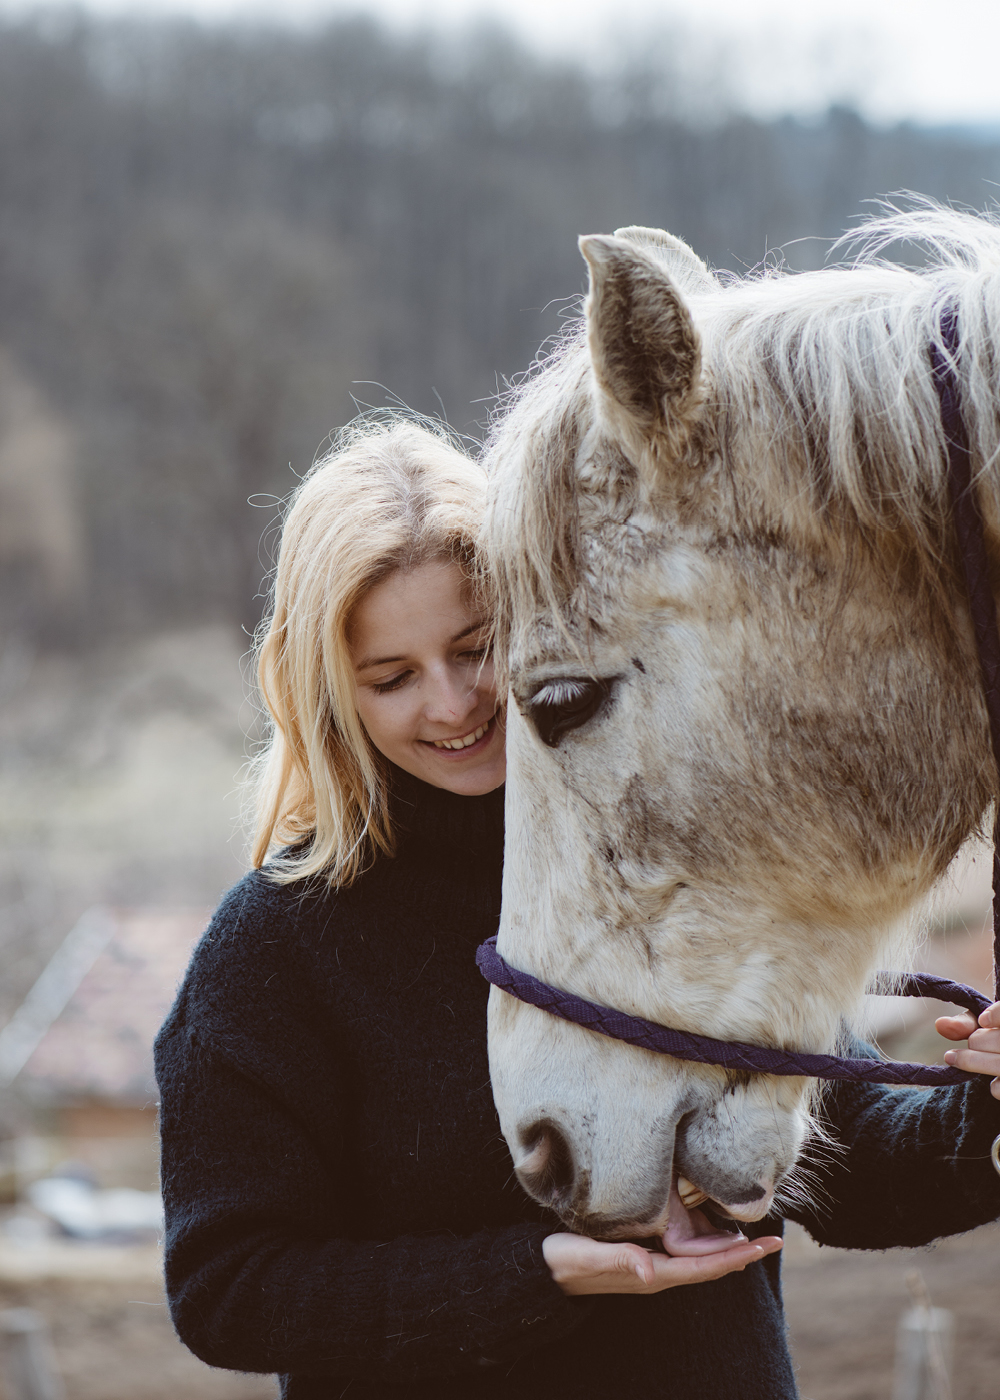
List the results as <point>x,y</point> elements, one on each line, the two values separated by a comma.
<point>445,820</point>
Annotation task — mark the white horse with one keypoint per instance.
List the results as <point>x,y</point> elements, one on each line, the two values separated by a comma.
<point>745,726</point>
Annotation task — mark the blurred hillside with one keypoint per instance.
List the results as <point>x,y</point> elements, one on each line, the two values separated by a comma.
<point>210,239</point>
<point>208,235</point>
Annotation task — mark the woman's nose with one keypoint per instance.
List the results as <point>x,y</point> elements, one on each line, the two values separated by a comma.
<point>449,696</point>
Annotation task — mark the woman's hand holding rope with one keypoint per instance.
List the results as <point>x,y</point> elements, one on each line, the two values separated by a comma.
<point>982,1055</point>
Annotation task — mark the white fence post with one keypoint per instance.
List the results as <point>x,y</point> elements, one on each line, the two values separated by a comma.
<point>924,1344</point>
<point>30,1371</point>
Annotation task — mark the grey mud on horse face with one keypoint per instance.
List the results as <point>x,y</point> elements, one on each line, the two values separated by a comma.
<point>745,731</point>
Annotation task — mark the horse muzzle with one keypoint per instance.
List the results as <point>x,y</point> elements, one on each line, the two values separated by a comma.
<point>557,1167</point>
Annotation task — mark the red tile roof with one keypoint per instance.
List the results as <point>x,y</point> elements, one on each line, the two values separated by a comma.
<point>100,1043</point>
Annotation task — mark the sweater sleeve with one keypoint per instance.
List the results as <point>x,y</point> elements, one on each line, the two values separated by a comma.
<point>903,1167</point>
<point>265,1269</point>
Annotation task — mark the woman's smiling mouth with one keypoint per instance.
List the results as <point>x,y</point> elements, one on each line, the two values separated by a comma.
<point>463,741</point>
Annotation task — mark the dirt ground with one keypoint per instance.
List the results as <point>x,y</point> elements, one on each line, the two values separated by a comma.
<point>113,1339</point>
<point>844,1307</point>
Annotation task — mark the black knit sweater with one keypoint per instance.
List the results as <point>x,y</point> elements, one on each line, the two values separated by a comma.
<point>340,1203</point>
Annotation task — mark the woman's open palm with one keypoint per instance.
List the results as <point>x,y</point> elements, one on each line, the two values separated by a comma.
<point>582,1265</point>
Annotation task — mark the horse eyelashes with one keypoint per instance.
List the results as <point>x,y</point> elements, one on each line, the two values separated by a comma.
<point>563,705</point>
<point>564,694</point>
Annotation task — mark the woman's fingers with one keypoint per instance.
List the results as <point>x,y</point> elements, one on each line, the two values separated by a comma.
<point>982,1054</point>
<point>701,1268</point>
<point>991,1016</point>
<point>975,1061</point>
<point>978,1062</point>
<point>987,1040</point>
<point>956,1027</point>
<point>581,1265</point>
<point>961,1027</point>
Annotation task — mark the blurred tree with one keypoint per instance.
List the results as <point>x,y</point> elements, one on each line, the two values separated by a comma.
<point>209,235</point>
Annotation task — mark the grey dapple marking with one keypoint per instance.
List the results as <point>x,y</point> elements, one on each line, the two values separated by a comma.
<point>740,486</point>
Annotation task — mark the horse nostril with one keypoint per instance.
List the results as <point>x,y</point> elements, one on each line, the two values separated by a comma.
<point>546,1170</point>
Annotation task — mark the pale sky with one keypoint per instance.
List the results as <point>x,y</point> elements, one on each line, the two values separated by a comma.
<point>924,59</point>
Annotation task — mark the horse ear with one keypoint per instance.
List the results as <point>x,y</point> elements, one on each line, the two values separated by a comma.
<point>644,348</point>
<point>682,262</point>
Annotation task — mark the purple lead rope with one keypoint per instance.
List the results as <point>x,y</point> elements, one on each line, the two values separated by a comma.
<point>733,1055</point>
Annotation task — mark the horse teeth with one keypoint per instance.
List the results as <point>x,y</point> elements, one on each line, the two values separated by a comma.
<point>689,1193</point>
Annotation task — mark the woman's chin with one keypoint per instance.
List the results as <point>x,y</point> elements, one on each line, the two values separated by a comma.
<point>473,781</point>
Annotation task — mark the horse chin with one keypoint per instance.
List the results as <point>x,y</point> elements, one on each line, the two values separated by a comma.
<point>746,1212</point>
<point>676,1228</point>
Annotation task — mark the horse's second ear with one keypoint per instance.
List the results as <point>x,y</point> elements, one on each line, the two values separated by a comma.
<point>643,344</point>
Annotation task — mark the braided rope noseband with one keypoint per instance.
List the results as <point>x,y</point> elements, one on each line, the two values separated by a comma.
<point>731,1054</point>
<point>702,1049</point>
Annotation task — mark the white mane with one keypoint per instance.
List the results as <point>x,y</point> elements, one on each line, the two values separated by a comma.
<point>845,358</point>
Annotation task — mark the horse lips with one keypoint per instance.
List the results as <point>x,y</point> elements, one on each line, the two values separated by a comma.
<point>690,1232</point>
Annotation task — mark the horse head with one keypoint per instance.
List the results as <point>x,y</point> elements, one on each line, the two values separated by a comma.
<point>745,733</point>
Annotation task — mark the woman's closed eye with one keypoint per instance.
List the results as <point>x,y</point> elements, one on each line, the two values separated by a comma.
<point>395,683</point>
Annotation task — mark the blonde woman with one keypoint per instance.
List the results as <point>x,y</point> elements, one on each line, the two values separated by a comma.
<point>340,1203</point>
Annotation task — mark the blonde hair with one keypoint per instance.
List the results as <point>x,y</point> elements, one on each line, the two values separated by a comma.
<point>392,494</point>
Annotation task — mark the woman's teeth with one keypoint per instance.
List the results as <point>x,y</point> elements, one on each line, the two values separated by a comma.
<point>465,741</point>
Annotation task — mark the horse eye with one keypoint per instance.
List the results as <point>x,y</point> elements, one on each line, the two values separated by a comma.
<point>562,705</point>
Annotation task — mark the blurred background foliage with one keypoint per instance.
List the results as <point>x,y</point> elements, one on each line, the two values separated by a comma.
<point>209,235</point>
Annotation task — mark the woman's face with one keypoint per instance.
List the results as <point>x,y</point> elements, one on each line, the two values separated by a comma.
<point>425,689</point>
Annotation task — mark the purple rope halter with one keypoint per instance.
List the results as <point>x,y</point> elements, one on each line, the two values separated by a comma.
<point>734,1055</point>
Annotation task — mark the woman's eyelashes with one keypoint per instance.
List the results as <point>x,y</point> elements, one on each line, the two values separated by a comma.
<point>384,687</point>
<point>473,656</point>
